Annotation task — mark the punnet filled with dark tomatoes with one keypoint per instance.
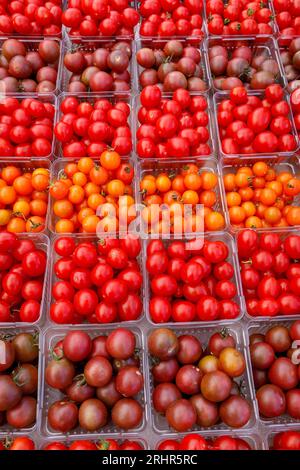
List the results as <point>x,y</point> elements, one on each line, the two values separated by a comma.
<point>96,281</point>
<point>270,272</point>
<point>97,67</point>
<point>94,383</point>
<point>196,387</point>
<point>171,65</point>
<point>253,123</point>
<point>29,67</point>
<point>19,381</point>
<point>276,372</point>
<point>235,62</point>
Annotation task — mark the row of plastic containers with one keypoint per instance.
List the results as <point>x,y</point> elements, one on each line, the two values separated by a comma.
<point>153,427</point>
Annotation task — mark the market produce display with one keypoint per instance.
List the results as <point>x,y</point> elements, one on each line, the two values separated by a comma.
<point>149,225</point>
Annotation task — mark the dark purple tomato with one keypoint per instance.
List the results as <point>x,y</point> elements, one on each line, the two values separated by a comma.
<point>207,411</point>
<point>127,413</point>
<point>92,415</point>
<point>181,415</point>
<point>163,395</point>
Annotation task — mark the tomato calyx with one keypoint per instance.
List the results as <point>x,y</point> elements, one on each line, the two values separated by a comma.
<point>102,445</point>
<point>224,332</point>
<point>16,377</point>
<point>80,380</point>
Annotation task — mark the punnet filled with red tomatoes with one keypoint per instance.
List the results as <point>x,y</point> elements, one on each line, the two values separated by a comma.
<point>251,123</point>
<point>88,127</point>
<point>96,281</point>
<point>26,127</point>
<point>287,18</point>
<point>270,272</point>
<point>31,18</point>
<point>284,440</point>
<point>105,18</point>
<point>105,443</point>
<point>176,127</point>
<point>192,281</point>
<point>23,274</point>
<point>195,441</point>
<point>239,18</point>
<point>169,18</point>
<point>93,382</point>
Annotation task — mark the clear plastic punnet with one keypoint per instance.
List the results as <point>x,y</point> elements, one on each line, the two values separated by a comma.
<point>261,325</point>
<point>91,98</point>
<point>232,258</point>
<point>159,422</point>
<point>268,49</point>
<point>220,96</point>
<point>90,45</point>
<point>33,45</point>
<point>49,395</point>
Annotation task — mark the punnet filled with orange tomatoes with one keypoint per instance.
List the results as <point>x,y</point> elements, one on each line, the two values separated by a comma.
<point>149,226</point>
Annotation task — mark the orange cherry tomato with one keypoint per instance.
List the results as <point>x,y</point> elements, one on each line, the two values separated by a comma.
<point>110,160</point>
